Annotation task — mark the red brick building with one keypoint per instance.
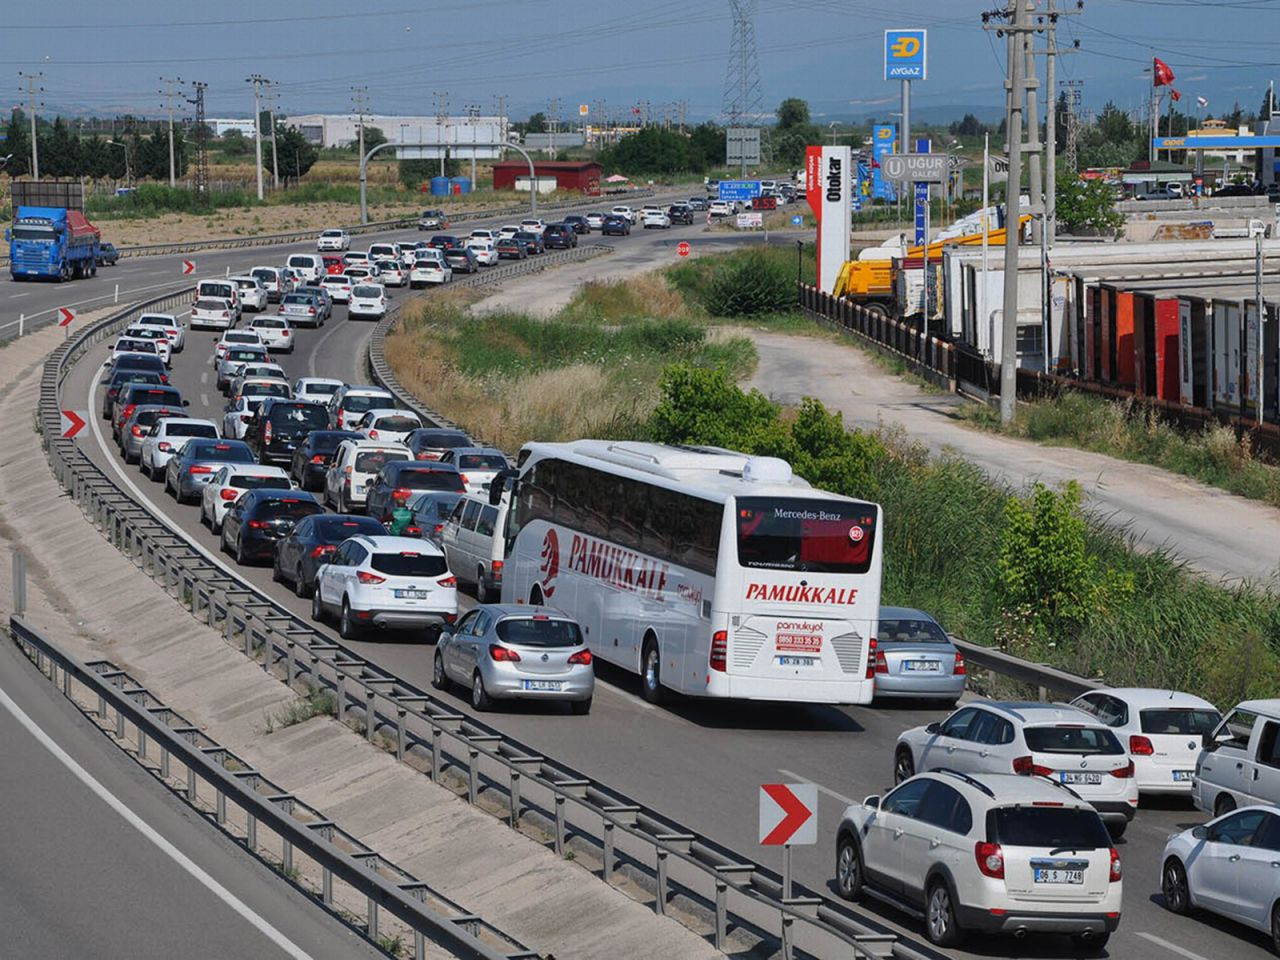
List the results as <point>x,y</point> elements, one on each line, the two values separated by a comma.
<point>578,176</point>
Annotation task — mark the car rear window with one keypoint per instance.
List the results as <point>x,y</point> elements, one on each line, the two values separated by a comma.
<point>374,460</point>
<point>441,507</point>
<point>250,481</point>
<point>243,355</point>
<point>273,323</point>
<point>911,631</point>
<point>409,564</point>
<point>301,299</point>
<point>481,461</point>
<point>336,529</point>
<point>539,632</point>
<point>156,395</point>
<point>190,430</point>
<point>225,452</point>
<point>372,293</point>
<point>1058,828</point>
<point>359,404</point>
<point>325,389</point>
<point>397,423</point>
<point>430,480</point>
<point>266,389</point>
<point>286,508</point>
<point>148,417</point>
<point>300,414</point>
<point>268,276</point>
<point>1179,720</point>
<point>1071,739</point>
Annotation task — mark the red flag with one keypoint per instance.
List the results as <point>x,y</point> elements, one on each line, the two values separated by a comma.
<point>1175,94</point>
<point>1162,74</point>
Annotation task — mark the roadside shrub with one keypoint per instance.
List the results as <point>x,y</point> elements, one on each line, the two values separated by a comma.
<point>753,284</point>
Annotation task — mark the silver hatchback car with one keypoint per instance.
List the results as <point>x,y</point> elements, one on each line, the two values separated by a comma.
<point>512,651</point>
<point>915,658</point>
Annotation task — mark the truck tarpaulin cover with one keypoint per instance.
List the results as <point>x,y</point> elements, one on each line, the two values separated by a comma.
<point>78,227</point>
<point>828,189</point>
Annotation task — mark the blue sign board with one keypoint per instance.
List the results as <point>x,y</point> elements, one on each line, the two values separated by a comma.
<point>922,206</point>
<point>883,139</point>
<point>904,55</point>
<point>739,189</point>
<point>797,221</point>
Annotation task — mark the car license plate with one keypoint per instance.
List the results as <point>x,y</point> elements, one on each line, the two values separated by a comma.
<point>922,666</point>
<point>412,594</point>
<point>1051,875</point>
<point>551,685</point>
<point>1180,775</point>
<point>797,661</point>
<point>1085,778</point>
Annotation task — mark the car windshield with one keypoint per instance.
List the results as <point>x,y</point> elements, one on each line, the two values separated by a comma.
<point>1071,739</point>
<point>332,529</point>
<point>911,631</point>
<point>357,403</point>
<point>1179,720</point>
<point>1057,828</point>
<point>481,461</point>
<point>190,430</point>
<point>372,461</point>
<point>409,563</point>
<point>539,631</point>
<point>373,293</point>
<point>429,480</point>
<point>805,535</point>
<point>250,481</point>
<point>226,452</point>
<point>286,508</point>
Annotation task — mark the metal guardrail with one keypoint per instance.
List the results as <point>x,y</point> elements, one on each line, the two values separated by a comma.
<point>524,782</point>
<point>121,701</point>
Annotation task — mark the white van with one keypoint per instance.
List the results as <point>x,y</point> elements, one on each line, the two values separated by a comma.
<point>220,290</point>
<point>473,544</point>
<point>1240,762</point>
<point>309,265</point>
<point>384,251</point>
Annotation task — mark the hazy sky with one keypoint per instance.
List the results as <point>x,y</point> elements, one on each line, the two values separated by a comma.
<point>108,58</point>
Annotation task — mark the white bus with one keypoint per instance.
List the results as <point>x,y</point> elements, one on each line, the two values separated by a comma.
<point>703,570</point>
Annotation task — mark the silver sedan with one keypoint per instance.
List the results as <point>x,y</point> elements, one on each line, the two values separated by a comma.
<point>512,651</point>
<point>915,658</point>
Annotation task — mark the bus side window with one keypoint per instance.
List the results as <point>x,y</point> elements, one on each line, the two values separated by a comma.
<point>697,534</point>
<point>658,536</point>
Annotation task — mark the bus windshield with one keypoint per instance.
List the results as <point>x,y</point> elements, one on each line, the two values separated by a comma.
<point>805,534</point>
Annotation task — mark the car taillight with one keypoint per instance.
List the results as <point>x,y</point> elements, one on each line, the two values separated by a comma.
<point>200,468</point>
<point>136,430</point>
<point>871,659</point>
<point>1140,746</point>
<point>364,576</point>
<point>582,657</point>
<point>959,669</point>
<point>1123,773</point>
<point>1116,873</point>
<point>373,434</point>
<point>502,654</point>
<point>413,531</point>
<point>230,495</point>
<point>318,458</point>
<point>266,432</point>
<point>882,664</point>
<point>496,566</point>
<point>281,310</point>
<point>225,314</point>
<point>990,859</point>
<point>439,529</point>
<point>285,333</point>
<point>400,494</point>
<point>450,581</point>
<point>311,311</point>
<point>164,447</point>
<point>323,550</point>
<point>720,651</point>
<point>258,524</point>
<point>1026,767</point>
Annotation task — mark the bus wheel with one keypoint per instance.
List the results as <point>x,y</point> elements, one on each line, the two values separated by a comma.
<point>651,671</point>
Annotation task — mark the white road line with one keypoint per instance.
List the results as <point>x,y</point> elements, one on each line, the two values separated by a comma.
<point>827,790</point>
<point>1172,947</point>
<point>258,922</point>
<point>204,377</point>
<point>15,296</point>
<point>204,400</point>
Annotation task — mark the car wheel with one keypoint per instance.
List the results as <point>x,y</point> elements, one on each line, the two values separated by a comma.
<point>204,518</point>
<point>439,679</point>
<point>317,606</point>
<point>215,524</point>
<point>480,698</point>
<point>300,584</point>
<point>241,559</point>
<point>168,487</point>
<point>904,767</point>
<point>1177,892</point>
<point>1224,804</point>
<point>1117,829</point>
<point>940,916</point>
<point>347,628</point>
<point>144,469</point>
<point>482,591</point>
<point>1275,928</point>
<point>651,671</point>
<point>581,708</point>
<point>277,575</point>
<point>848,869</point>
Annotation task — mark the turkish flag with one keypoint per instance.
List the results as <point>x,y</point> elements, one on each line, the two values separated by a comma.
<point>1162,73</point>
<point>1175,94</point>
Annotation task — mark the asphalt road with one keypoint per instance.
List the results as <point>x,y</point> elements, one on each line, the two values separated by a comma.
<point>702,762</point>
<point>78,879</point>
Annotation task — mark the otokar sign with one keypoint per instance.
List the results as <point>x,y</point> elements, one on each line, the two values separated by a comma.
<point>829,188</point>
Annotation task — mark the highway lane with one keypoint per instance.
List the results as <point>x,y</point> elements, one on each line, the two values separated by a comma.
<point>79,879</point>
<point>702,762</point>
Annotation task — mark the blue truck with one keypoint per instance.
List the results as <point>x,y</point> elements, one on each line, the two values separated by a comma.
<point>52,242</point>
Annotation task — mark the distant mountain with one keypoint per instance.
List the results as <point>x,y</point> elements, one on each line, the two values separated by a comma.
<point>935,114</point>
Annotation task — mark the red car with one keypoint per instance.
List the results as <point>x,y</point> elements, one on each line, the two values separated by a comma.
<point>333,263</point>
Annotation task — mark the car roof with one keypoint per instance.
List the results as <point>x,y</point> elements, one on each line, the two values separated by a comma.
<point>257,469</point>
<point>1150,697</point>
<point>506,610</point>
<point>365,392</point>
<point>279,493</point>
<point>364,443</point>
<point>1009,789</point>
<point>431,466</point>
<point>390,544</point>
<point>391,412</point>
<point>490,451</point>
<point>189,420</point>
<point>1270,707</point>
<point>1032,712</point>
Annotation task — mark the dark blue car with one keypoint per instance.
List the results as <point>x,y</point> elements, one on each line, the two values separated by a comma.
<point>616,226</point>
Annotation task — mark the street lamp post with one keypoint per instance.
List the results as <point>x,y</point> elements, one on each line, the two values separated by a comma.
<point>799,263</point>
<point>128,170</point>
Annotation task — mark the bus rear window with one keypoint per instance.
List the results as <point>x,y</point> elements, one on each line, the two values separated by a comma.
<point>805,535</point>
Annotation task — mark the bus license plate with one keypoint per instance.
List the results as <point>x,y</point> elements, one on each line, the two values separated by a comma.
<point>551,685</point>
<point>1180,775</point>
<point>412,594</point>
<point>923,666</point>
<point>1085,778</point>
<point>797,661</point>
<point>1049,875</point>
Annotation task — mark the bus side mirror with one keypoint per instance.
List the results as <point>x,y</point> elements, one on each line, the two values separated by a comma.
<point>499,484</point>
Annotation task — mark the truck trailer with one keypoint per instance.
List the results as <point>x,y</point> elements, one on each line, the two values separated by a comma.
<point>52,242</point>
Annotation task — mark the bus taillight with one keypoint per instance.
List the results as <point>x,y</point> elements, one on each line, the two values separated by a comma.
<point>719,650</point>
<point>871,659</point>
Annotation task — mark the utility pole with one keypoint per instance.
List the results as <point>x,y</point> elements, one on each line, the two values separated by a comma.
<point>257,80</point>
<point>1073,88</point>
<point>358,97</point>
<point>33,87</point>
<point>275,163</point>
<point>553,114</point>
<point>202,141</point>
<point>442,114</point>
<point>473,116</point>
<point>169,93</point>
<point>1031,124</point>
<point>1050,20</point>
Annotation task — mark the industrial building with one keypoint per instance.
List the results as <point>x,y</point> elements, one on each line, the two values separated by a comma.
<point>576,176</point>
<point>327,130</point>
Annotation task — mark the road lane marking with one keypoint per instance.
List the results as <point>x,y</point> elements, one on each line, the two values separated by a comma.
<point>204,400</point>
<point>15,296</point>
<point>1173,947</point>
<point>259,923</point>
<point>204,378</point>
<point>827,790</point>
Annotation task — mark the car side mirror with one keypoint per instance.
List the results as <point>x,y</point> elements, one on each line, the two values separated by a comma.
<point>933,728</point>
<point>1209,742</point>
<point>445,637</point>
<point>872,801</point>
<point>1200,833</point>
<point>186,403</point>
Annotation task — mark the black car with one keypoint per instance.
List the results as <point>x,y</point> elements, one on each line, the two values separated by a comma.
<point>135,395</point>
<point>428,443</point>
<point>314,455</point>
<point>312,542</point>
<point>431,508</point>
<point>698,203</point>
<point>397,481</point>
<point>531,241</point>
<point>138,361</point>
<point>1239,190</point>
<point>107,255</point>
<point>461,260</point>
<point>509,248</point>
<point>260,518</point>
<point>680,213</point>
<point>122,378</point>
<point>279,425</point>
<point>559,235</point>
<point>578,223</point>
<point>615,225</point>
<point>444,241</point>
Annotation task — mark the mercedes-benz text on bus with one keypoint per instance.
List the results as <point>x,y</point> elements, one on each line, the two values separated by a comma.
<point>705,571</point>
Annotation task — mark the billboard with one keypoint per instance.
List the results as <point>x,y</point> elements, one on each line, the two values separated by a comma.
<point>904,55</point>
<point>742,146</point>
<point>829,193</point>
<point>883,139</point>
<point>457,138</point>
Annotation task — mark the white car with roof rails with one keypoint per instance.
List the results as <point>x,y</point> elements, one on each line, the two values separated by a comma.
<point>391,273</point>
<point>428,269</point>
<point>350,403</point>
<point>383,250</point>
<point>354,467</point>
<point>308,266</point>
<point>167,438</point>
<point>1239,763</point>
<point>230,482</point>
<point>316,389</point>
<point>210,314</point>
<point>220,289</point>
<point>253,295</point>
<point>1032,739</point>
<point>276,332</point>
<point>164,349</point>
<point>172,327</point>
<point>984,853</point>
<point>1162,729</point>
<point>333,240</point>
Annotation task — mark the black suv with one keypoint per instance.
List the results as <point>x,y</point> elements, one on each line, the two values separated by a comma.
<point>262,517</point>
<point>398,480</point>
<point>559,235</point>
<point>314,455</point>
<point>680,213</point>
<point>279,425</point>
<point>579,223</point>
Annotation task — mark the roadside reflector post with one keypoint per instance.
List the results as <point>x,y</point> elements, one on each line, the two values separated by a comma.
<point>19,583</point>
<point>786,871</point>
<point>22,322</point>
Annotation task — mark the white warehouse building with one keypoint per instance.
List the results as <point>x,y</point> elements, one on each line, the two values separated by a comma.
<point>340,130</point>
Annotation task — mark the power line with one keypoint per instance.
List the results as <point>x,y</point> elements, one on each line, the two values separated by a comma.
<point>742,95</point>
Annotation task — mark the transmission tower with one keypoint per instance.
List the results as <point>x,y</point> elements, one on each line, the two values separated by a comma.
<point>742,96</point>
<point>202,141</point>
<point>1072,89</point>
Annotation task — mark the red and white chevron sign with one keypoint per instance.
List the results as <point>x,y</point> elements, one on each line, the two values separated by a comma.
<point>788,814</point>
<point>65,316</point>
<point>188,266</point>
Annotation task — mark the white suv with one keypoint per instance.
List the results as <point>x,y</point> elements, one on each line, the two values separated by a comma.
<point>400,582</point>
<point>354,468</point>
<point>1032,739</point>
<point>989,852</point>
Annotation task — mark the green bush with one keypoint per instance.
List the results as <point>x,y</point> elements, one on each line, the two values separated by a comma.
<point>753,284</point>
